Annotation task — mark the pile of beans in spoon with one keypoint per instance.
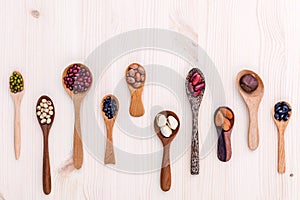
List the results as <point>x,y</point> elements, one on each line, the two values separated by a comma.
<point>196,84</point>
<point>78,78</point>
<point>110,107</point>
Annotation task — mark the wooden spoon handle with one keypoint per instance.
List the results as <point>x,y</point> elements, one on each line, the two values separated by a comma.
<point>165,174</point>
<point>224,146</point>
<point>109,151</point>
<point>136,108</point>
<point>281,153</point>
<point>17,130</point>
<point>253,132</point>
<point>77,145</point>
<point>46,167</point>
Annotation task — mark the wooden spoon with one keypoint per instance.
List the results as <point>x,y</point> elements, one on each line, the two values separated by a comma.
<point>46,161</point>
<point>281,126</point>
<point>17,98</point>
<point>109,152</point>
<point>252,101</point>
<point>195,106</point>
<point>165,174</point>
<point>136,108</point>
<point>77,100</point>
<point>224,121</point>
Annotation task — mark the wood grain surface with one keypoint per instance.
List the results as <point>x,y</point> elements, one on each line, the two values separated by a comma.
<point>40,38</point>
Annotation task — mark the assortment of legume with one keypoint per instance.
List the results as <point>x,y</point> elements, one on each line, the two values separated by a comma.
<point>166,124</point>
<point>78,78</point>
<point>196,84</point>
<point>223,119</point>
<point>45,111</point>
<point>110,107</point>
<point>282,111</point>
<point>16,82</point>
<point>249,83</point>
<point>135,76</point>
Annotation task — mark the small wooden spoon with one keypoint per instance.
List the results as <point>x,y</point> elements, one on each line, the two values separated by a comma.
<point>224,121</point>
<point>252,101</point>
<point>17,98</point>
<point>46,161</point>
<point>77,100</point>
<point>109,152</point>
<point>136,108</point>
<point>281,126</point>
<point>165,174</point>
<point>195,106</point>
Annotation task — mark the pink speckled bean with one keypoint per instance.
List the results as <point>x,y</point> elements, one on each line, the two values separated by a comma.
<point>200,86</point>
<point>196,80</point>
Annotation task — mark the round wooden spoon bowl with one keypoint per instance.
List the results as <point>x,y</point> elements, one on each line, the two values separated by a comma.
<point>165,175</point>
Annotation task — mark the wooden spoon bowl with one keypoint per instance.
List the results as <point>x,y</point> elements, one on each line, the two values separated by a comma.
<point>77,100</point>
<point>252,101</point>
<point>136,108</point>
<point>46,161</point>
<point>224,122</point>
<point>17,98</point>
<point>281,126</point>
<point>109,123</point>
<point>165,175</point>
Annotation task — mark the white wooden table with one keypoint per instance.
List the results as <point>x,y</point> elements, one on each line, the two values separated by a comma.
<point>40,38</point>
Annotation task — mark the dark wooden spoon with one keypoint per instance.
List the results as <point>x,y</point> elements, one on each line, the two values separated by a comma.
<point>165,174</point>
<point>109,123</point>
<point>77,100</point>
<point>46,161</point>
<point>224,121</point>
<point>195,102</point>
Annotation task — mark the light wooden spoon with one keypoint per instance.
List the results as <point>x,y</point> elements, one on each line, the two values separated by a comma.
<point>46,161</point>
<point>17,98</point>
<point>252,101</point>
<point>136,108</point>
<point>77,100</point>
<point>109,152</point>
<point>165,174</point>
<point>281,126</point>
<point>195,106</point>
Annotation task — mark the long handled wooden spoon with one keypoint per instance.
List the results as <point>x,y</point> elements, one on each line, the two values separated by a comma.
<point>195,87</point>
<point>135,76</point>
<point>165,174</point>
<point>282,113</point>
<point>77,80</point>
<point>17,98</point>
<point>251,89</point>
<point>110,108</point>
<point>45,112</point>
<point>224,121</point>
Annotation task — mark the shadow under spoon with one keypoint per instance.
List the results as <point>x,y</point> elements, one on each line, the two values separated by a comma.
<point>109,119</point>
<point>46,126</point>
<point>165,174</point>
<point>195,98</point>
<point>77,99</point>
